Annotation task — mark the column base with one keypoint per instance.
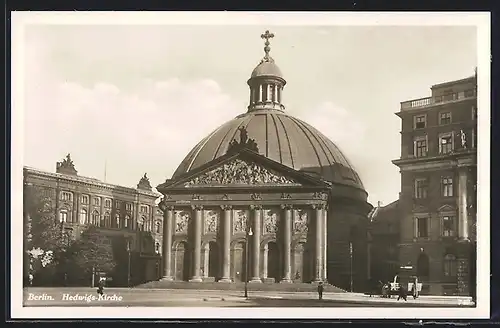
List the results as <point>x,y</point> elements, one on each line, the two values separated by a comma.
<point>225,280</point>
<point>255,280</point>
<point>286,281</point>
<point>167,278</point>
<point>196,279</point>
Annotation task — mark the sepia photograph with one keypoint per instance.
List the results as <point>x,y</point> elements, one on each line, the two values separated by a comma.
<point>250,165</point>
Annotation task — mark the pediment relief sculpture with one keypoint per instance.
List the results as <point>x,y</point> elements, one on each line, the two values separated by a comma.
<point>240,172</point>
<point>182,221</point>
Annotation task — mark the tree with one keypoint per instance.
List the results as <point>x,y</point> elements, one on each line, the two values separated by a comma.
<point>90,253</point>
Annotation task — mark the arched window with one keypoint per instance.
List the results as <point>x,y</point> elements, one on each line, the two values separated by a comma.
<point>107,220</point>
<point>95,217</point>
<point>84,217</point>
<point>140,223</point>
<point>450,265</point>
<point>63,215</point>
<point>127,221</point>
<point>117,221</point>
<point>158,227</point>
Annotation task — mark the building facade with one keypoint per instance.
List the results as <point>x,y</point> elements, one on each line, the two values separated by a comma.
<point>438,186</point>
<point>384,242</point>
<point>265,198</point>
<point>118,211</point>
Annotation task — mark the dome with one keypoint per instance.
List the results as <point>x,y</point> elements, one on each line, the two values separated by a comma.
<point>267,68</point>
<point>282,138</point>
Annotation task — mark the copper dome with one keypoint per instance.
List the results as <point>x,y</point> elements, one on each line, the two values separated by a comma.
<point>267,68</point>
<point>282,138</point>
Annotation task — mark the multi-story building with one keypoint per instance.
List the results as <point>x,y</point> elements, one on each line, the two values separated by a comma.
<point>438,186</point>
<point>117,211</point>
<point>384,242</point>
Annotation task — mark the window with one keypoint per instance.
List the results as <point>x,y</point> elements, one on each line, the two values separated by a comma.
<point>157,247</point>
<point>107,220</point>
<point>420,122</point>
<point>450,265</point>
<point>103,221</point>
<point>63,215</point>
<point>422,228</point>
<point>107,203</point>
<point>84,218</point>
<point>421,188</point>
<point>117,221</point>
<point>144,209</point>
<point>85,199</point>
<point>445,118</point>
<point>128,207</point>
<point>117,204</point>
<point>448,226</point>
<point>158,227</point>
<point>445,143</point>
<point>420,146</point>
<point>95,217</point>
<point>271,93</point>
<point>97,201</point>
<point>127,221</point>
<point>66,195</point>
<point>447,186</point>
<point>264,92</point>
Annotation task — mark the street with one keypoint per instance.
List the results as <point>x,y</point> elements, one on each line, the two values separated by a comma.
<point>216,298</point>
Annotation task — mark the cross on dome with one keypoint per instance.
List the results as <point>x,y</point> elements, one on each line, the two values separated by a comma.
<point>267,35</point>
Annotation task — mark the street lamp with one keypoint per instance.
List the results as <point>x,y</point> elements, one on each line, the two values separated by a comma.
<point>250,233</point>
<point>128,269</point>
<point>350,263</point>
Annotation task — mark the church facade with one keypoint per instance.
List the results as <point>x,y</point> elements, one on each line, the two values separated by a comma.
<point>265,198</point>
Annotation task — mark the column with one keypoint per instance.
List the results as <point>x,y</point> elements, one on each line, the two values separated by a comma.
<point>206,258</point>
<point>198,211</point>
<point>415,228</point>
<point>264,261</point>
<point>463,225</point>
<point>287,239</point>
<point>318,252</point>
<point>268,96</point>
<point>260,93</point>
<point>226,244</point>
<point>325,245</point>
<point>275,98</point>
<point>168,215</point>
<point>254,271</point>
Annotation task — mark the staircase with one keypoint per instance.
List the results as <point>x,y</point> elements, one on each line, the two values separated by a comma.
<point>288,287</point>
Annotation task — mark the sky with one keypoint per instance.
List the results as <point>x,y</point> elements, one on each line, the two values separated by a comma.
<point>126,100</point>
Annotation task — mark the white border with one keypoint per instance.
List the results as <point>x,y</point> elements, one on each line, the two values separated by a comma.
<point>478,19</point>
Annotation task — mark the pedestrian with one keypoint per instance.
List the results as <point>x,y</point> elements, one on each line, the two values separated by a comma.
<point>402,293</point>
<point>30,279</point>
<point>320,290</point>
<point>100,288</point>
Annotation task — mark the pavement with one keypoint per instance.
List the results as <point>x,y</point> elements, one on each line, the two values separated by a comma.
<point>82,296</point>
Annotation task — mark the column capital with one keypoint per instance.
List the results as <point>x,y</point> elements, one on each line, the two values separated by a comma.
<point>286,206</point>
<point>197,207</point>
<point>318,206</point>
<point>226,207</point>
<point>256,207</point>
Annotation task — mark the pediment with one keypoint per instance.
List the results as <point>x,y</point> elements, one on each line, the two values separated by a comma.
<point>420,209</point>
<point>446,208</point>
<point>244,169</point>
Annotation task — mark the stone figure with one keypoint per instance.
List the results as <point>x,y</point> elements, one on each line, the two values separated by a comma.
<point>270,222</point>
<point>181,221</point>
<point>240,221</point>
<point>66,166</point>
<point>211,221</point>
<point>144,183</point>
<point>463,139</point>
<point>239,172</point>
<point>300,224</point>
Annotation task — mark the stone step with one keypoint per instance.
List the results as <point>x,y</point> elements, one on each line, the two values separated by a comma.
<point>288,287</point>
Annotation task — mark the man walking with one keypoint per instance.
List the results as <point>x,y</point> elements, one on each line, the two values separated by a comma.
<point>402,293</point>
<point>320,290</point>
<point>100,288</point>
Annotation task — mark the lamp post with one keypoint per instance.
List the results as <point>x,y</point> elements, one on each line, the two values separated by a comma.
<point>250,233</point>
<point>350,264</point>
<point>128,269</point>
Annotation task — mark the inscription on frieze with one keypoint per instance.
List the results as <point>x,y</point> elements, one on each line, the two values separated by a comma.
<point>240,172</point>
<point>182,221</point>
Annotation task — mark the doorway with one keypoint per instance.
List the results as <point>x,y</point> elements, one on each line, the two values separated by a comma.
<point>213,260</point>
<point>273,261</point>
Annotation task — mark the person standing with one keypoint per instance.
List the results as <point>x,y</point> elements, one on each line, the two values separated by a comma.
<point>100,288</point>
<point>402,293</point>
<point>320,290</point>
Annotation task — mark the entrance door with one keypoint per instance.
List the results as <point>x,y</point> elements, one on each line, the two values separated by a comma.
<point>213,260</point>
<point>238,260</point>
<point>273,261</point>
<point>182,263</point>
